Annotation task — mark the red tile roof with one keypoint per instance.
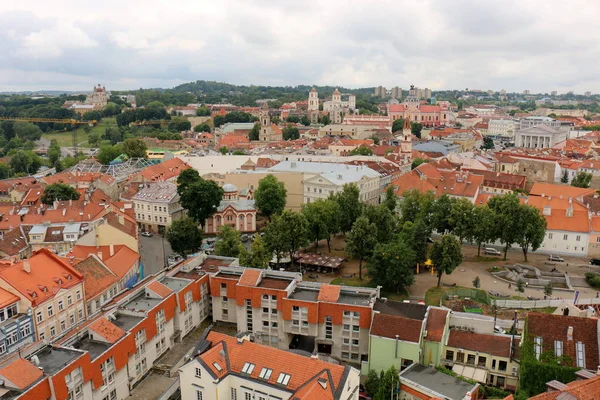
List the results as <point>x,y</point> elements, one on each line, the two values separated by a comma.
<point>120,263</point>
<point>164,171</point>
<point>48,275</point>
<point>491,344</point>
<point>98,277</point>
<point>13,242</point>
<point>7,298</point>
<point>232,140</point>
<point>436,324</point>
<point>21,373</point>
<point>160,289</point>
<point>588,389</point>
<point>389,326</point>
<point>232,356</point>
<point>559,191</point>
<point>250,277</point>
<point>109,331</point>
<point>329,293</point>
<point>552,328</point>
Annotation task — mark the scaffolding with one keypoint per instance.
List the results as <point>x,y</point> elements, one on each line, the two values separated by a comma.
<point>120,171</point>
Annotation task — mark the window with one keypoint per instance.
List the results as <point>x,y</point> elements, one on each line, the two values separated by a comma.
<point>233,394</point>
<point>355,342</point>
<point>38,316</point>
<point>265,297</point>
<point>449,355</point>
<point>346,313</point>
<point>42,336</point>
<point>345,354</point>
<point>265,373</point>
<point>295,308</point>
<point>50,310</point>
<point>248,368</point>
<point>198,394</point>
<point>565,237</point>
<point>356,314</point>
<point>549,236</point>
<point>346,327</point>
<point>558,348</point>
<point>223,286</point>
<point>355,328</point>
<point>578,238</point>
<point>247,396</point>
<point>502,366</point>
<point>346,341</point>
<point>481,361</point>
<point>537,346</point>
<point>52,331</point>
<point>25,330</point>
<point>460,357</point>
<point>78,295</point>
<point>471,359</point>
<point>500,381</point>
<point>580,350</point>
<point>493,364</point>
<point>63,325</point>
<point>283,378</point>
<point>69,300</point>
<point>80,313</point>
<point>72,319</point>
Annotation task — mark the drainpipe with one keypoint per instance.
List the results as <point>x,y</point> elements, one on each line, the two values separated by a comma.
<point>397,345</point>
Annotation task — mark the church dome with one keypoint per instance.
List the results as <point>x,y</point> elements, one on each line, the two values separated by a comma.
<point>336,91</point>
<point>229,188</point>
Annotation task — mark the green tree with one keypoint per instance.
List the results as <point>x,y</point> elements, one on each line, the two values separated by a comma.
<point>372,382</point>
<point>87,129</point>
<point>94,139</point>
<point>350,206</point>
<point>201,199</point>
<point>270,196</point>
<point>488,143</point>
<point>290,133</point>
<point>179,124</point>
<point>383,220</point>
<point>391,200</point>
<point>186,178</point>
<point>135,148</point>
<point>108,153</point>
<point>361,151</point>
<point>417,161</point>
<point>416,128</point>
<point>520,286</point>
<point>257,257</point>
<point>294,231</point>
<point>462,219</point>
<point>239,153</point>
<point>113,134</point>
<point>275,237</point>
<point>533,229</point>
<point>202,112</point>
<point>388,383</point>
<point>326,120</point>
<point>25,162</point>
<point>5,171</point>
<point>54,155</point>
<point>391,265</point>
<point>416,235</point>
<point>548,289</point>
<point>111,109</point>
<point>184,236</point>
<point>305,121</point>
<point>416,205</point>
<point>229,243</point>
<point>27,131</point>
<point>446,256</point>
<point>582,180</point>
<point>506,227</point>
<point>323,220</point>
<point>565,177</point>
<point>60,192</point>
<point>476,282</point>
<point>483,226</point>
<point>254,132</point>
<point>360,241</point>
<point>223,150</point>
<point>202,128</point>
<point>398,125</point>
<point>441,214</point>
<point>294,119</point>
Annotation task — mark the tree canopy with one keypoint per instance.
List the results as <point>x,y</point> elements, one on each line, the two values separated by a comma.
<point>582,180</point>
<point>134,148</point>
<point>350,206</point>
<point>199,196</point>
<point>446,256</point>
<point>323,218</point>
<point>258,256</point>
<point>254,133</point>
<point>184,236</point>
<point>362,151</point>
<point>290,133</point>
<point>229,242</point>
<point>59,191</point>
<point>270,196</point>
<point>533,231</point>
<point>361,240</point>
<point>391,266</point>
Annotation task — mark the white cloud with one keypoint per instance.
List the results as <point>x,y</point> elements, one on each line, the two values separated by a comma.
<point>502,44</point>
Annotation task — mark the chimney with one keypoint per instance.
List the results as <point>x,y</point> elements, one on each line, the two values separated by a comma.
<point>100,255</point>
<point>26,266</point>
<point>112,249</point>
<point>570,333</point>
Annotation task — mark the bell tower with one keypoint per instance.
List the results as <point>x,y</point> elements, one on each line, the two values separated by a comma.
<point>313,106</point>
<point>266,131</point>
<point>406,144</point>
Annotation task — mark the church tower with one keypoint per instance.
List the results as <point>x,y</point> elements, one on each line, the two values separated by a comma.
<point>313,106</point>
<point>266,132</point>
<point>406,144</point>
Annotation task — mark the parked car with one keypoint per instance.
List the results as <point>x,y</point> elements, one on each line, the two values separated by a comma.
<point>492,252</point>
<point>244,237</point>
<point>146,234</point>
<point>555,258</point>
<point>595,261</point>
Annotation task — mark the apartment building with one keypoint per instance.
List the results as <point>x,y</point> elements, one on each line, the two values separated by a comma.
<point>16,326</point>
<point>235,368</point>
<point>51,288</point>
<point>283,311</point>
<point>502,128</point>
<point>156,206</point>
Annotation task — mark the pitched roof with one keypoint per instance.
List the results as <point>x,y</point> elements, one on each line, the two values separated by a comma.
<point>231,356</point>
<point>7,298</point>
<point>120,263</point>
<point>98,277</point>
<point>48,275</point>
<point>560,191</point>
<point>491,344</point>
<point>160,289</point>
<point>164,171</point>
<point>13,242</point>
<point>107,330</point>
<point>575,220</point>
<point>588,389</point>
<point>390,326</point>
<point>21,373</point>
<point>329,293</point>
<point>250,277</point>
<point>552,328</point>
<point>436,324</point>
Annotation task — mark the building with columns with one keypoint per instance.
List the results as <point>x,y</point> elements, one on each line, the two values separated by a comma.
<point>539,136</point>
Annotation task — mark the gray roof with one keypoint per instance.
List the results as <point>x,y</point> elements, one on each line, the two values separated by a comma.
<point>240,205</point>
<point>438,383</point>
<point>161,192</point>
<point>335,172</point>
<point>38,230</point>
<point>437,146</point>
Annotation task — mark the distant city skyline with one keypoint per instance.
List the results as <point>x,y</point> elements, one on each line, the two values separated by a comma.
<point>535,45</point>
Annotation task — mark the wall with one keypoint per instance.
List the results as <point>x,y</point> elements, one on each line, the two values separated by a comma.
<point>383,353</point>
<point>291,180</point>
<point>554,242</point>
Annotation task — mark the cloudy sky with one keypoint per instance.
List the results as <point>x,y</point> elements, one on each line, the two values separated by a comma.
<point>540,45</point>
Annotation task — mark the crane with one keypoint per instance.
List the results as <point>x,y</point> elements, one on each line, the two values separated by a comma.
<point>54,120</point>
<point>150,122</point>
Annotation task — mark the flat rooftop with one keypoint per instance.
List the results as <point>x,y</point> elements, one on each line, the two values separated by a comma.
<point>274,283</point>
<point>94,347</point>
<point>304,294</point>
<point>141,303</point>
<point>54,359</point>
<point>126,322</point>
<point>400,309</point>
<point>174,284</point>
<point>354,299</point>
<point>228,276</point>
<point>449,386</point>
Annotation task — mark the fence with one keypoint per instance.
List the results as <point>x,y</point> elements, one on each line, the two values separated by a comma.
<point>543,303</point>
<point>478,295</point>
